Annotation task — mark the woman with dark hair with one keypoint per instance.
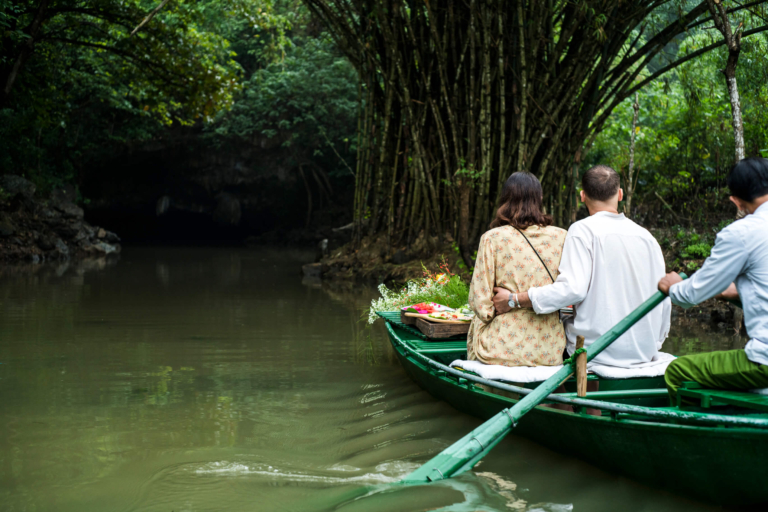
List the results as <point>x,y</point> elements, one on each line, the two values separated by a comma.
<point>521,250</point>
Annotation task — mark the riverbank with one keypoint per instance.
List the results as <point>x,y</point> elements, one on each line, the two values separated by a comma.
<point>376,261</point>
<point>36,229</point>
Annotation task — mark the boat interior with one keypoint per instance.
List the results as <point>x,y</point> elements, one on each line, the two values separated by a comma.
<point>647,398</point>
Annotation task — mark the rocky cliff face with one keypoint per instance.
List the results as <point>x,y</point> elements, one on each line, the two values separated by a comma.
<point>39,229</point>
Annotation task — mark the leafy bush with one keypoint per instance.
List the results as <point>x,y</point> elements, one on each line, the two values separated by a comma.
<point>697,251</point>
<point>684,139</point>
<point>90,88</point>
<point>306,102</point>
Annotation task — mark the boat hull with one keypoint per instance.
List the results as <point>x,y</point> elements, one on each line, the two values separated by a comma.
<point>715,464</point>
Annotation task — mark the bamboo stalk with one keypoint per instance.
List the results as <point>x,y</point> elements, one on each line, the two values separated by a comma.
<point>450,71</point>
<point>391,209</point>
<point>522,145</point>
<point>502,101</point>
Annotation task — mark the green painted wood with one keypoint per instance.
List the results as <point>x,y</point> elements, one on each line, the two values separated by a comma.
<point>716,397</point>
<point>616,405</point>
<point>463,454</point>
<point>393,317</point>
<point>426,347</point>
<point>621,394</point>
<point>711,463</point>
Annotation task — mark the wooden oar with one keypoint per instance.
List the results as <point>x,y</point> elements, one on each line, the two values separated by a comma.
<point>581,369</point>
<point>462,455</point>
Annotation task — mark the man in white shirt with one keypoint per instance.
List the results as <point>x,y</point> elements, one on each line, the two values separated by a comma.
<point>610,265</point>
<point>736,269</point>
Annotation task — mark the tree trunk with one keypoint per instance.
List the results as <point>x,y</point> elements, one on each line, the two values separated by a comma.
<point>629,182</point>
<point>24,53</point>
<point>574,184</point>
<point>733,42</point>
<point>309,197</point>
<point>733,94</point>
<point>464,242</point>
<point>479,88</point>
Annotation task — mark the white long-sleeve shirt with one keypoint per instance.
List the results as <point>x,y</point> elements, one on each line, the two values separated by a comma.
<point>610,266</point>
<point>740,255</point>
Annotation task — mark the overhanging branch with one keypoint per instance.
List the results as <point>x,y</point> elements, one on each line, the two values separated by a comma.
<point>688,57</point>
<point>149,16</point>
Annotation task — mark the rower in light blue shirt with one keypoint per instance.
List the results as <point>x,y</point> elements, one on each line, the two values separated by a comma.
<point>736,269</point>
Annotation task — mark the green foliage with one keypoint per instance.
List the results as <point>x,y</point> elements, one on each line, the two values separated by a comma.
<point>689,247</point>
<point>306,102</point>
<point>468,172</point>
<point>238,69</point>
<point>460,262</point>
<point>684,141</point>
<point>697,251</point>
<point>454,294</point>
<point>90,86</point>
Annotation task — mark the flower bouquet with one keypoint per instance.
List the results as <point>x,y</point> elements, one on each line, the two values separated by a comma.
<point>435,293</point>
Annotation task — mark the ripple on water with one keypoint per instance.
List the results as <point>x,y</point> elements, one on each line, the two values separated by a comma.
<point>233,485</point>
<point>470,492</point>
<point>385,473</point>
<point>229,484</point>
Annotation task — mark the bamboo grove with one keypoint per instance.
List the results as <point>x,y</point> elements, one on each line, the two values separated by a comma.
<point>456,95</point>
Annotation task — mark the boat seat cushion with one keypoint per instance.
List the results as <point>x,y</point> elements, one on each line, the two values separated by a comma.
<point>526,374</point>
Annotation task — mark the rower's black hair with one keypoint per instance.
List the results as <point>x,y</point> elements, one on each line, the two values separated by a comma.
<point>600,183</point>
<point>749,178</point>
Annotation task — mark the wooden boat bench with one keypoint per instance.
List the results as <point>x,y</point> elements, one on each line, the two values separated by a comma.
<point>718,397</point>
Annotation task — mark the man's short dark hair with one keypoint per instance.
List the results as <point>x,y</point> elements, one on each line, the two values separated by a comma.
<point>600,183</point>
<point>749,178</point>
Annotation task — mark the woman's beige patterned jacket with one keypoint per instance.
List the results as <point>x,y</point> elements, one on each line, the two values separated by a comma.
<point>519,337</point>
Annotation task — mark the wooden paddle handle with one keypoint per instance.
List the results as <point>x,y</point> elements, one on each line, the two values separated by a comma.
<point>581,369</point>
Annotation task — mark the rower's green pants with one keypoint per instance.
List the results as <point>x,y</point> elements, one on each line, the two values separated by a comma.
<point>728,369</point>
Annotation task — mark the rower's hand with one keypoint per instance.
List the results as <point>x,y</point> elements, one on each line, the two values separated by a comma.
<point>667,281</point>
<point>501,300</point>
<point>730,293</point>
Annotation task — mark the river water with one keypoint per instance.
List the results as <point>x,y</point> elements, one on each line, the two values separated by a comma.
<point>200,379</point>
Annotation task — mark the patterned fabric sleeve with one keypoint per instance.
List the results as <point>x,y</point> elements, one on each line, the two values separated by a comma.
<point>483,281</point>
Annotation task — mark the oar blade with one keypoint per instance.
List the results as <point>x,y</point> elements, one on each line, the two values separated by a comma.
<point>467,451</point>
<point>456,458</point>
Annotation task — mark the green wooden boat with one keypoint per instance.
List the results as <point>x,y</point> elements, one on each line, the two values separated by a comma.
<point>715,451</point>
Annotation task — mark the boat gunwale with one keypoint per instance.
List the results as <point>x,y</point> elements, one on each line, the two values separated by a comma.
<point>709,420</point>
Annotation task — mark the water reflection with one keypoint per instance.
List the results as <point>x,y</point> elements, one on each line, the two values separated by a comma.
<point>216,379</point>
<point>691,336</point>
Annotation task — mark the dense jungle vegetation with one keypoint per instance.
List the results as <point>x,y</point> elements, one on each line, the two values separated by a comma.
<point>86,79</point>
<point>406,114</point>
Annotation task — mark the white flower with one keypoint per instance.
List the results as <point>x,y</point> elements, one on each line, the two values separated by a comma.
<point>392,300</point>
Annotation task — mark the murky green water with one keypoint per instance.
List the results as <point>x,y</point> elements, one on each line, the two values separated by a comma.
<point>215,379</point>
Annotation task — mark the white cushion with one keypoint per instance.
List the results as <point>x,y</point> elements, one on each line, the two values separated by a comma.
<point>526,374</point>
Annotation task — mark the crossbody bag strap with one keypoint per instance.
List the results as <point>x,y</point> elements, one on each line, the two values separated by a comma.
<point>537,254</point>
